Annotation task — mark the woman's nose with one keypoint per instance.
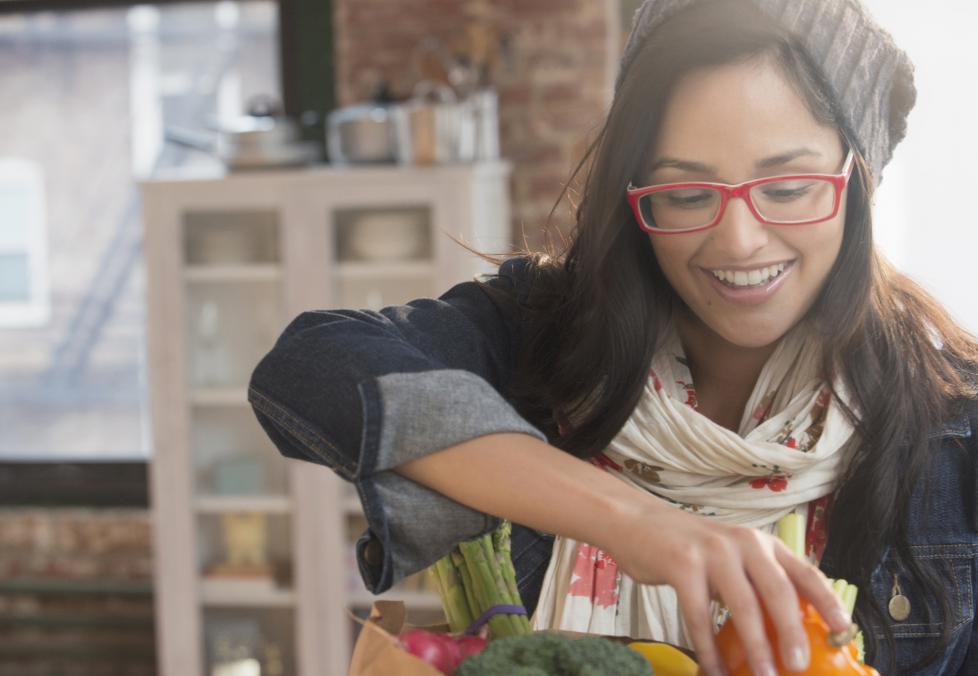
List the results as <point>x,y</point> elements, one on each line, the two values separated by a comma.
<point>739,233</point>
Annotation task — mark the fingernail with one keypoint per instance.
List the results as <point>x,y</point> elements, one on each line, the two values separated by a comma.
<point>766,669</point>
<point>797,659</point>
<point>840,617</point>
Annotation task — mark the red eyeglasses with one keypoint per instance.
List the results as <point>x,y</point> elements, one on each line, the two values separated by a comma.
<point>798,199</point>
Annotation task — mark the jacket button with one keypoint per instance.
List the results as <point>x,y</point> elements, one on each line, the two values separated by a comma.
<point>899,604</point>
<point>899,607</point>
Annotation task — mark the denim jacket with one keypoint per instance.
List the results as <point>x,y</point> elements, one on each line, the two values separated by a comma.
<point>363,392</point>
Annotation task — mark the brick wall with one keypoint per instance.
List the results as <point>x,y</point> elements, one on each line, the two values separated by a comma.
<point>76,592</point>
<point>553,92</point>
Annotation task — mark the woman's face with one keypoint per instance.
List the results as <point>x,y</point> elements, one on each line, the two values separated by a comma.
<point>729,120</point>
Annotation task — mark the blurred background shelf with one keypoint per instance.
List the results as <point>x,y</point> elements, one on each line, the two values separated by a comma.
<point>412,599</point>
<point>220,396</point>
<point>351,504</point>
<point>375,270</point>
<point>218,504</point>
<point>244,593</point>
<point>233,273</point>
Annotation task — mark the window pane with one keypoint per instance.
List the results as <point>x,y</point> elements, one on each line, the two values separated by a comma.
<point>93,93</point>
<point>14,279</point>
<point>15,206</point>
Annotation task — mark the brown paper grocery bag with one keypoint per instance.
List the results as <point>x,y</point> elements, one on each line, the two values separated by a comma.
<point>377,653</point>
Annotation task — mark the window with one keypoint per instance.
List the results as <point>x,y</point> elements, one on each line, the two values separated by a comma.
<point>23,259</point>
<point>934,240</point>
<point>92,94</point>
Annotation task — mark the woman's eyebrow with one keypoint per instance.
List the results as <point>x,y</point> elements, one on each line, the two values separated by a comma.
<point>784,158</point>
<point>766,163</point>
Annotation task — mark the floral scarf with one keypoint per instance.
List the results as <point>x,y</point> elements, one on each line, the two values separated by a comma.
<point>785,457</point>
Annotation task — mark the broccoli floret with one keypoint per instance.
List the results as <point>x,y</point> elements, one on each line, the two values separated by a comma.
<point>547,654</point>
<point>596,656</point>
<point>527,655</point>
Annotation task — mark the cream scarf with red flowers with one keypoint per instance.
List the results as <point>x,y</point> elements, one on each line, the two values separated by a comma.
<point>787,453</point>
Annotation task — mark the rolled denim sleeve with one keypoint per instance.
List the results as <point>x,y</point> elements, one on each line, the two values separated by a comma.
<point>363,392</point>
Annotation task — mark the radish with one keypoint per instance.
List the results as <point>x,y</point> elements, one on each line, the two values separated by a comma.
<point>438,650</point>
<point>470,645</point>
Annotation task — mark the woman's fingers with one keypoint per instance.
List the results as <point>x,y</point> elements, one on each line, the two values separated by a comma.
<point>780,598</point>
<point>694,603</point>
<point>741,599</point>
<point>812,584</point>
<point>752,572</point>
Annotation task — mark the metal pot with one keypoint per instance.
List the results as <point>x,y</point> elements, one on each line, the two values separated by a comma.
<point>262,138</point>
<point>254,142</point>
<point>361,134</point>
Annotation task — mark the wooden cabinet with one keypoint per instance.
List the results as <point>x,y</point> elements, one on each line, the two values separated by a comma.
<point>253,552</point>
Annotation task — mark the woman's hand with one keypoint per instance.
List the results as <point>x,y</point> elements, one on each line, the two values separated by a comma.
<point>517,477</point>
<point>745,569</point>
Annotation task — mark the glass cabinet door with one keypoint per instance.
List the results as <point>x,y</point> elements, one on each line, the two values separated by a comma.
<point>244,532</point>
<point>383,255</point>
<point>249,642</point>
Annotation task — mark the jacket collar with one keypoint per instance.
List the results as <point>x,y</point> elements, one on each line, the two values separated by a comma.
<point>958,427</point>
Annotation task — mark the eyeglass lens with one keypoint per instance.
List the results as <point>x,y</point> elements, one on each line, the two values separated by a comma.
<point>786,202</point>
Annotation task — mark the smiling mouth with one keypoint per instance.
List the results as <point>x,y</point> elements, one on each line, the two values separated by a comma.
<point>746,279</point>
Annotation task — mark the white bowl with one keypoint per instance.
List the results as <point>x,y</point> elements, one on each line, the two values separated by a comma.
<point>387,236</point>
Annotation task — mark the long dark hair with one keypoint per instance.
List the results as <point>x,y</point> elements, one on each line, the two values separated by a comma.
<point>596,308</point>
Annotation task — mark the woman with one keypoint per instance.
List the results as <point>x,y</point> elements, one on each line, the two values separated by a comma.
<point>721,343</point>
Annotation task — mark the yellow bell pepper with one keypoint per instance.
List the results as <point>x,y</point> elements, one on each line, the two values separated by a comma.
<point>665,659</point>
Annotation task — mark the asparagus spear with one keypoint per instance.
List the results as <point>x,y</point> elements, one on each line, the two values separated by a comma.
<point>468,587</point>
<point>442,591</point>
<point>453,598</point>
<point>484,586</point>
<point>477,575</point>
<point>504,562</point>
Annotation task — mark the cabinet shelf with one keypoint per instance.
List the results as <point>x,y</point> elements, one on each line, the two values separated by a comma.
<point>220,504</point>
<point>244,593</point>
<point>413,600</point>
<point>351,505</point>
<point>363,270</point>
<point>233,273</point>
<point>220,396</point>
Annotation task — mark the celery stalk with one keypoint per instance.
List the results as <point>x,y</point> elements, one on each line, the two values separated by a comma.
<point>839,587</point>
<point>791,531</point>
<point>850,597</point>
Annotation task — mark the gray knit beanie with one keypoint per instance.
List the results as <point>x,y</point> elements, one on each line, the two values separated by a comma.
<point>870,77</point>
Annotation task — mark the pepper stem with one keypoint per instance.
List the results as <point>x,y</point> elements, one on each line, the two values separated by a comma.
<point>840,639</point>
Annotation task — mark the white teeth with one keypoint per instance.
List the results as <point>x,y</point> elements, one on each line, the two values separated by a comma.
<point>751,278</point>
